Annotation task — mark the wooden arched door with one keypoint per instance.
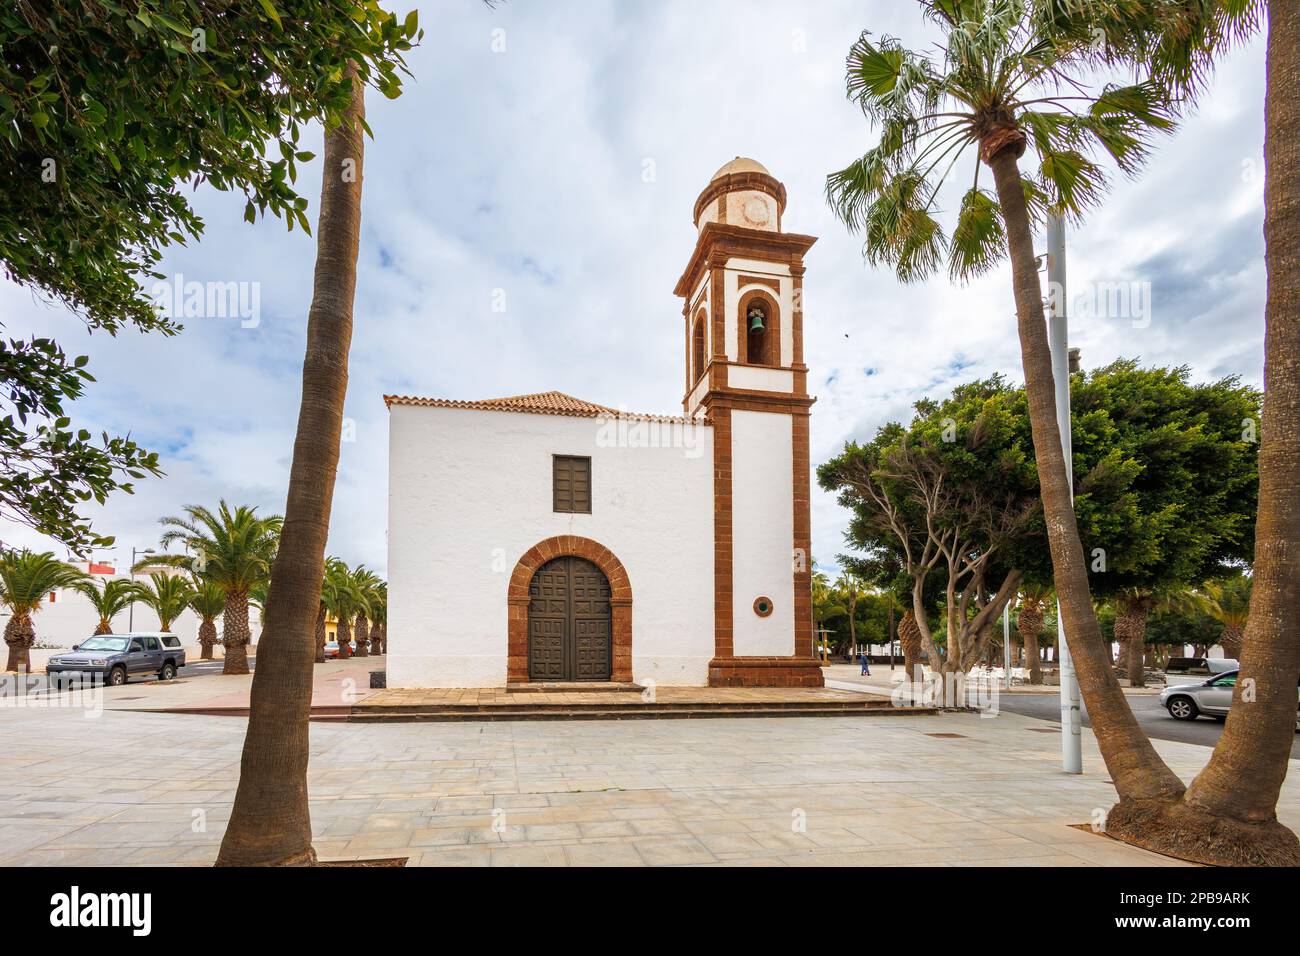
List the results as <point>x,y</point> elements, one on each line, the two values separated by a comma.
<point>569,632</point>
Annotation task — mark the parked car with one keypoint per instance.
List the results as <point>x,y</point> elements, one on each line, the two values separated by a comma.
<point>331,650</point>
<point>115,658</point>
<point>1198,666</point>
<point>1212,697</point>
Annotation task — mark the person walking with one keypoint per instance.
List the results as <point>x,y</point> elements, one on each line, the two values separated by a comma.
<point>866,664</point>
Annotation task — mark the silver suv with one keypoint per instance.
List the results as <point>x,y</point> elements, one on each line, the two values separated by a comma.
<point>1211,697</point>
<point>113,658</point>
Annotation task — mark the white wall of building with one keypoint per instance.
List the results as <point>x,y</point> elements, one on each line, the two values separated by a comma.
<point>762,457</point>
<point>470,492</point>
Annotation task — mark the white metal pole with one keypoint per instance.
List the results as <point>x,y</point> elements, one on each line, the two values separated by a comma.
<point>1058,333</point>
<point>1006,645</point>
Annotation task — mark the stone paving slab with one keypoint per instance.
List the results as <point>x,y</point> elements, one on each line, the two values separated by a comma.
<point>434,697</point>
<point>129,788</point>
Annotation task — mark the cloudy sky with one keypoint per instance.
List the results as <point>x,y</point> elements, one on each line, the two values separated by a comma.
<point>548,155</point>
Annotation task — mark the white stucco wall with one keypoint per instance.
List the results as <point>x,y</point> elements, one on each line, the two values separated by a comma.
<point>470,493</point>
<point>762,454</point>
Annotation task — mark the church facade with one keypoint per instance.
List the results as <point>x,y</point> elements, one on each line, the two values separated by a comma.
<point>542,538</point>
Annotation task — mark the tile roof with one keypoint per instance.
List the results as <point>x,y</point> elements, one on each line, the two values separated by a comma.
<point>539,403</point>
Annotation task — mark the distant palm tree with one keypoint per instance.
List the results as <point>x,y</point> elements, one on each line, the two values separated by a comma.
<point>379,619</point>
<point>26,578</point>
<point>365,584</point>
<point>110,599</point>
<point>1008,77</point>
<point>1029,622</point>
<point>850,587</point>
<point>827,603</point>
<point>169,596</point>
<point>1229,604</point>
<point>335,572</point>
<point>340,595</point>
<point>208,601</point>
<point>234,550</point>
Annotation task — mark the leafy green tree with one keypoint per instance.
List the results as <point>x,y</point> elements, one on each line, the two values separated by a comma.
<point>110,111</point>
<point>26,577</point>
<point>951,500</point>
<point>109,599</point>
<point>1166,482</point>
<point>169,595</point>
<point>232,548</point>
<point>1008,78</point>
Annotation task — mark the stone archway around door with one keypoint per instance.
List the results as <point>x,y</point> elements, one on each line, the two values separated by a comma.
<point>620,590</point>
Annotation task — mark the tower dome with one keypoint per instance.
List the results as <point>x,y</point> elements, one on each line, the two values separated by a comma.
<point>742,193</point>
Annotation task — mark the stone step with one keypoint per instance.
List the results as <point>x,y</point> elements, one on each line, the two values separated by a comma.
<point>367,715</point>
<point>544,705</point>
<point>573,687</point>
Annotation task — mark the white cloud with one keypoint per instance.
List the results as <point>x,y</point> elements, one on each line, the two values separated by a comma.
<point>523,171</point>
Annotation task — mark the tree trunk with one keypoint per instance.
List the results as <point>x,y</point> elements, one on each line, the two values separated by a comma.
<point>1134,765</point>
<point>363,636</point>
<point>320,634</point>
<point>270,824</point>
<point>207,637</point>
<point>20,635</point>
<point>1231,806</point>
<point>378,638</point>
<point>103,627</point>
<point>235,633</point>
<point>1230,641</point>
<point>1131,632</point>
<point>909,636</point>
<point>1030,625</point>
<point>343,635</point>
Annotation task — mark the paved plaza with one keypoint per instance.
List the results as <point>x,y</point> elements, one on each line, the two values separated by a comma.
<point>950,789</point>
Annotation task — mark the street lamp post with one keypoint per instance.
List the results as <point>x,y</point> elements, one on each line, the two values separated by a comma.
<point>130,611</point>
<point>1058,334</point>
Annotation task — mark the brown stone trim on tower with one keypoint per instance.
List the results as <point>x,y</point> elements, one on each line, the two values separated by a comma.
<point>722,534</point>
<point>796,313</point>
<point>802,555</point>
<point>739,182</point>
<point>771,344</point>
<point>620,601</point>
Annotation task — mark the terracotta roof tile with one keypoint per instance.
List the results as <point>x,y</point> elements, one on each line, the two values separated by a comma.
<point>539,403</point>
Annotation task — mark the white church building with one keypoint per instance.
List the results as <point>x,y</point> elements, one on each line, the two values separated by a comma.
<point>542,538</point>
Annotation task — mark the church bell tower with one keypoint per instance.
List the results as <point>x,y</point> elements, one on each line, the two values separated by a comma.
<point>745,374</point>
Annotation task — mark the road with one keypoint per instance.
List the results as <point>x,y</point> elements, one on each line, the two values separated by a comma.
<point>1155,720</point>
<point>38,684</point>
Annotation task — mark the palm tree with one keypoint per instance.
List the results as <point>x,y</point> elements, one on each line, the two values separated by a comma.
<point>1228,602</point>
<point>1220,820</point>
<point>827,603</point>
<point>233,549</point>
<point>996,85</point>
<point>364,583</point>
<point>26,577</point>
<point>110,599</point>
<point>379,619</point>
<point>909,637</point>
<point>331,581</point>
<point>849,585</point>
<point>169,595</point>
<point>271,821</point>
<point>1029,622</point>
<point>208,601</point>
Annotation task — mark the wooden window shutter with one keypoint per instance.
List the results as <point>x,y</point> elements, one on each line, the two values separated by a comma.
<point>572,484</point>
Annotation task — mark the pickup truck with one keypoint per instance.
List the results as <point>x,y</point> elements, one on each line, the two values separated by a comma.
<point>115,658</point>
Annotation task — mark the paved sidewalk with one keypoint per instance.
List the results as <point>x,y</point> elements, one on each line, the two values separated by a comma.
<point>882,681</point>
<point>953,789</point>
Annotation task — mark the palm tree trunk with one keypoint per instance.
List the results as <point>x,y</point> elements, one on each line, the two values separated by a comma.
<point>1131,632</point>
<point>235,633</point>
<point>1030,625</point>
<point>1235,796</point>
<point>20,635</point>
<point>909,636</point>
<point>1230,641</point>
<point>103,627</point>
<point>320,634</point>
<point>363,636</point>
<point>270,824</point>
<point>344,637</point>
<point>1134,765</point>
<point>207,637</point>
